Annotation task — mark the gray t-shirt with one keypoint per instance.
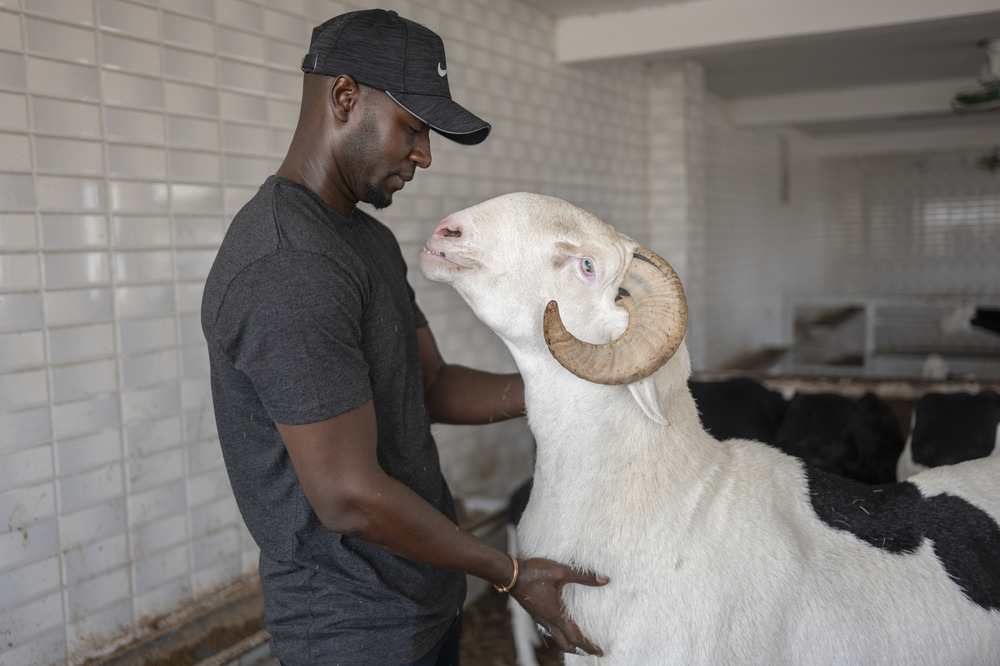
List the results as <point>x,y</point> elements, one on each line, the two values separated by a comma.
<point>308,315</point>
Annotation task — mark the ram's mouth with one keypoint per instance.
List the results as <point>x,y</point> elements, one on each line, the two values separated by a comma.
<point>442,256</point>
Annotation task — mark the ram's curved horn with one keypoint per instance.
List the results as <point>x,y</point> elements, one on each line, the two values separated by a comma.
<point>657,318</point>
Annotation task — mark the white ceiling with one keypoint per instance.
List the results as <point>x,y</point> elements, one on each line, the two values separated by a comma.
<point>838,69</point>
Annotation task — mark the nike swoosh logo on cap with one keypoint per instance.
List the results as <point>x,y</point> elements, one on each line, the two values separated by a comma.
<point>441,70</point>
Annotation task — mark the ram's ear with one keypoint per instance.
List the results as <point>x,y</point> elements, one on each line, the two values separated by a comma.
<point>651,396</point>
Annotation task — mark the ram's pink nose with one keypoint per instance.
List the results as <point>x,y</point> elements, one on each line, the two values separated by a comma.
<point>449,228</point>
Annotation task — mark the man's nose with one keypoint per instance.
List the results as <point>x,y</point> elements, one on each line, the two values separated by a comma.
<point>421,153</point>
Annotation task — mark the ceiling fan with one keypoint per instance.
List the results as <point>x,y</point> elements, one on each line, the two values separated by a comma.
<point>986,97</point>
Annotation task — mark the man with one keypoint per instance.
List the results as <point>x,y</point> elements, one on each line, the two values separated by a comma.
<point>325,376</point>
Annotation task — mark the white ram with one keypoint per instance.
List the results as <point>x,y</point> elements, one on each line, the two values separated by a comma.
<point>718,552</point>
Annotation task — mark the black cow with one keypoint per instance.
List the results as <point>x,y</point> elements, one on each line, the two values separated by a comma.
<point>949,428</point>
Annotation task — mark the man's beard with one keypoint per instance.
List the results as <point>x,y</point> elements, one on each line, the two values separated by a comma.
<point>377,198</point>
<point>364,145</point>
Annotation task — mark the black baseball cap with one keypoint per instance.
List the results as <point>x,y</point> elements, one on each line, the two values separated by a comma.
<point>383,50</point>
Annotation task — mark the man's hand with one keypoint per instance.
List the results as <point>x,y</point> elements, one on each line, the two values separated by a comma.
<point>539,591</point>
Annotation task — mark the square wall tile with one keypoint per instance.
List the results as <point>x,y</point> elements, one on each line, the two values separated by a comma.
<point>189,66</point>
<point>240,14</point>
<point>191,99</point>
<point>160,534</point>
<point>189,296</point>
<point>79,343</point>
<point>136,126</point>
<point>13,71</point>
<point>141,231</point>
<point>144,301</point>
<point>92,486</point>
<point>142,335</point>
<point>17,192</point>
<point>156,504</point>
<point>81,417</point>
<point>243,76</point>
<point>77,306</point>
<point>68,269</point>
<point>75,12</point>
<point>69,156</point>
<point>25,428</point>
<point>190,32</point>
<point>137,162</point>
<point>128,18</point>
<point>149,369</point>
<point>61,41</point>
<point>155,471</point>
<point>217,574</point>
<point>198,8</point>
<point>62,79</point>
<point>17,231</point>
<point>21,350</point>
<point>83,380</point>
<point>95,559</point>
<point>194,264</point>
<point>130,55</point>
<point>91,595</point>
<point>46,647</point>
<point>198,199</point>
<point>34,617</point>
<point>28,582</point>
<point>243,107</point>
<point>20,312</point>
<point>288,57</point>
<point>137,197</point>
<point>132,90</point>
<point>144,438</point>
<point>245,138</point>
<point>200,231</point>
<point>31,541</point>
<point>78,454</point>
<point>243,45</point>
<point>111,624</point>
<point>19,271</point>
<point>67,232</point>
<point>93,524</point>
<point>194,166</point>
<point>56,193</point>
<point>161,600</point>
<point>157,402</point>
<point>145,266</point>
<point>10,31</point>
<point>213,516</point>
<point>26,467</point>
<point>193,132</point>
<point>15,152</point>
<point>23,389</point>
<point>287,26</point>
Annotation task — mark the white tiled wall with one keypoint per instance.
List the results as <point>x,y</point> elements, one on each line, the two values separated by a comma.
<point>130,132</point>
<point>926,225</point>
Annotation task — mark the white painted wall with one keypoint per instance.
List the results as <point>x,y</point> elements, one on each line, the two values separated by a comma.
<point>130,133</point>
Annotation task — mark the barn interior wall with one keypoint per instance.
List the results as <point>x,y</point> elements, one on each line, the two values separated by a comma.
<point>736,211</point>
<point>130,133</point>
<point>917,225</point>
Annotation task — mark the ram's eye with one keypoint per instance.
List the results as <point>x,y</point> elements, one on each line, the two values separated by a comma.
<point>587,265</point>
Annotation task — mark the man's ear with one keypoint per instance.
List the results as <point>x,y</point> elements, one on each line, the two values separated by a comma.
<point>344,95</point>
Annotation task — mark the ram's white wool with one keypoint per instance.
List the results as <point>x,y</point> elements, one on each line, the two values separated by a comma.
<point>714,550</point>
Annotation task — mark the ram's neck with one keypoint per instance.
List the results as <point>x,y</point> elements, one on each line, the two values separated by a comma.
<point>599,456</point>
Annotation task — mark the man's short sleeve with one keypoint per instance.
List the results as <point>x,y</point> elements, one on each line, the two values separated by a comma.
<point>291,323</point>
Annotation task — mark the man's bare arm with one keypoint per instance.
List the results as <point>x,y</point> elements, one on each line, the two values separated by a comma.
<point>460,395</point>
<point>338,469</point>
